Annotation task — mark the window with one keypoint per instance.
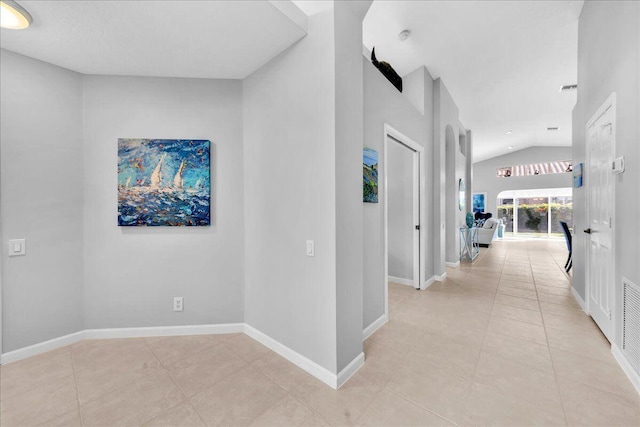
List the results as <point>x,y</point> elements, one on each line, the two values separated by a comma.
<point>564,166</point>
<point>535,213</point>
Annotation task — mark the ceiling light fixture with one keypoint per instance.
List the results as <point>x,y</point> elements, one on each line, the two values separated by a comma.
<point>13,16</point>
<point>510,147</point>
<point>509,132</point>
<point>404,35</point>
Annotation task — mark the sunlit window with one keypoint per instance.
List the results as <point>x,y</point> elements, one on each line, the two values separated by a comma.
<point>564,166</point>
<point>535,213</point>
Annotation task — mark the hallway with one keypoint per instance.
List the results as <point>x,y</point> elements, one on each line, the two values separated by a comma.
<point>498,343</point>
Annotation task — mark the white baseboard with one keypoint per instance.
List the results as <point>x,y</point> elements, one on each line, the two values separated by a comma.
<point>90,334</point>
<point>579,299</point>
<point>374,326</point>
<point>293,356</point>
<point>441,277</point>
<point>350,369</point>
<point>631,373</point>
<point>452,264</point>
<point>428,282</point>
<point>33,350</point>
<point>400,281</point>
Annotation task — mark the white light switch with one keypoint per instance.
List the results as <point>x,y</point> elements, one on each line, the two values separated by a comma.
<point>311,250</point>
<point>17,247</point>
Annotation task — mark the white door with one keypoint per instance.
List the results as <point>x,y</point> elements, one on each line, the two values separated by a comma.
<point>600,134</point>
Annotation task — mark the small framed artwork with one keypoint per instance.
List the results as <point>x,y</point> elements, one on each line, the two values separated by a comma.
<point>577,176</point>
<point>369,175</point>
<point>479,202</point>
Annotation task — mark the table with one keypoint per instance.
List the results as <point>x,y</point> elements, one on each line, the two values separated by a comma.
<point>469,247</point>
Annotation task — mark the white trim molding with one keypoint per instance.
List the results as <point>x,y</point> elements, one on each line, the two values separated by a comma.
<point>579,299</point>
<point>452,264</point>
<point>441,277</point>
<point>631,373</point>
<point>430,281</point>
<point>374,326</point>
<point>35,349</point>
<point>400,281</point>
<point>349,370</point>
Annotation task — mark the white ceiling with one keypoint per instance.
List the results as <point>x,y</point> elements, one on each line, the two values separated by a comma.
<point>179,38</point>
<point>502,61</point>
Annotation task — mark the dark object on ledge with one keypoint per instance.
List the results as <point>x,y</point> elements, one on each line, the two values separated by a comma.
<point>567,238</point>
<point>387,71</point>
<point>483,215</point>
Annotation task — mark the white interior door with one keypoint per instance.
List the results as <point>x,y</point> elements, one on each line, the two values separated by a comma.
<point>600,183</point>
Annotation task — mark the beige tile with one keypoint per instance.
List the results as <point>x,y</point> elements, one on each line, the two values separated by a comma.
<point>516,313</point>
<point>516,379</point>
<point>512,278</point>
<point>557,299</point>
<point>37,371</point>
<point>577,324</point>
<point>517,285</point>
<point>134,403</point>
<point>381,362</point>
<point>488,407</point>
<point>446,354</point>
<point>70,419</point>
<point>517,329</point>
<point>238,399</point>
<point>432,388</point>
<point>605,376</point>
<point>204,369</point>
<point>553,290</point>
<point>390,409</point>
<point>588,406</point>
<point>103,366</point>
<point>246,347</point>
<point>345,405</point>
<point>517,292</point>
<point>519,350</point>
<point>171,349</point>
<point>40,405</point>
<point>288,376</point>
<point>398,335</point>
<point>593,345</point>
<point>561,309</point>
<point>289,412</point>
<point>558,282</point>
<point>515,301</point>
<point>183,415</point>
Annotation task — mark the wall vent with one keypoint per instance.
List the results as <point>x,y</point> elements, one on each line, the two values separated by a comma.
<point>631,323</point>
<point>552,128</point>
<point>566,88</point>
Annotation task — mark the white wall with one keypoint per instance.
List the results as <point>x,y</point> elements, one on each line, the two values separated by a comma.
<point>400,210</point>
<point>41,200</point>
<point>485,179</point>
<point>290,195</point>
<point>384,104</point>
<point>133,273</point>
<point>609,61</point>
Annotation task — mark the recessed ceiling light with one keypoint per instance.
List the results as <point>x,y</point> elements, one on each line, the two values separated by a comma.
<point>568,88</point>
<point>404,35</point>
<point>552,129</point>
<point>509,132</point>
<point>510,147</point>
<point>13,16</point>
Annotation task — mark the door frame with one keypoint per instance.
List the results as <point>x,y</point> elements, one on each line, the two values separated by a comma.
<point>420,180</point>
<point>609,103</point>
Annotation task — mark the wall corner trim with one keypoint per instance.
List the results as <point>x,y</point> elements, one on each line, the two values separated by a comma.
<point>374,326</point>
<point>430,281</point>
<point>401,281</point>
<point>441,277</point>
<point>578,298</point>
<point>631,373</point>
<point>350,369</point>
<point>293,356</point>
<point>452,264</point>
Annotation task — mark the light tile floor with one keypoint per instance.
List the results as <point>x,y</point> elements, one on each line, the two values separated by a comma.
<point>499,342</point>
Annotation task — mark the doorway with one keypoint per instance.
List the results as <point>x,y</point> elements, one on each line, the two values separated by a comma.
<point>600,183</point>
<point>404,209</point>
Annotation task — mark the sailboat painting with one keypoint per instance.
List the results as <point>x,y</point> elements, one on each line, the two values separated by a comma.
<point>164,182</point>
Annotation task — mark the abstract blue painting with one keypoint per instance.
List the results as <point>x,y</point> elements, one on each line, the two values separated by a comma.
<point>369,175</point>
<point>164,182</point>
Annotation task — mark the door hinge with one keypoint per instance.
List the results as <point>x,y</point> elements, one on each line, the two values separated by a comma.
<point>418,227</point>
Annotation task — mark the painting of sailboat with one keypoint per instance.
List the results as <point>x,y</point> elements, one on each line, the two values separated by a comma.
<point>164,182</point>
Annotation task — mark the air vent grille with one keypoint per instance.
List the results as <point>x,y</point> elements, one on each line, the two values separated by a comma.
<point>568,87</point>
<point>631,324</point>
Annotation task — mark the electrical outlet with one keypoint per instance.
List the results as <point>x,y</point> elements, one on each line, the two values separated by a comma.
<point>178,304</point>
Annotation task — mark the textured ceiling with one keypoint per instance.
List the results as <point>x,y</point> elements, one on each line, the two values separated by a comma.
<point>502,61</point>
<point>208,39</point>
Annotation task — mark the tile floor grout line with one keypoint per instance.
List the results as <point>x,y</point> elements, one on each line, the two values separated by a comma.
<point>421,406</point>
<point>75,380</point>
<point>553,366</point>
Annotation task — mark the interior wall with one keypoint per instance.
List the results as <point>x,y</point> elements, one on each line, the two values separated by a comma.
<point>41,200</point>
<point>132,273</point>
<point>290,195</point>
<point>486,180</point>
<point>384,104</point>
<point>400,210</point>
<point>609,61</point>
